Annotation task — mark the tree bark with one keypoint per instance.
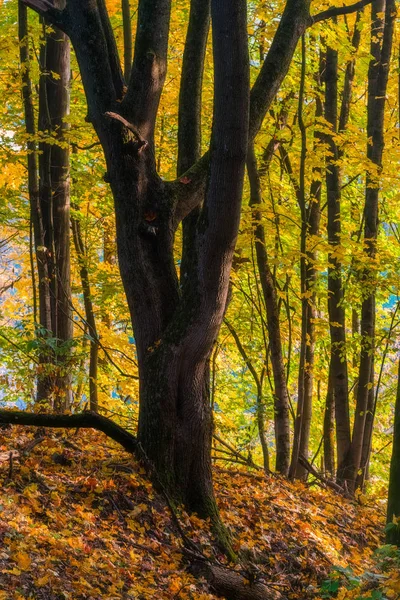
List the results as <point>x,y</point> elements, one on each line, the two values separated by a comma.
<point>54,195</point>
<point>281,396</point>
<point>89,313</point>
<point>34,198</point>
<point>377,84</point>
<point>329,430</point>
<point>189,118</point>
<point>338,377</point>
<point>393,508</point>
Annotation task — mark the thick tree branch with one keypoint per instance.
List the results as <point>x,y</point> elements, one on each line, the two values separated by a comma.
<point>337,11</point>
<point>189,116</point>
<point>216,236</point>
<point>149,66</point>
<point>295,20</point>
<point>84,420</point>
<point>189,189</point>
<point>189,122</point>
<point>46,9</point>
<point>113,56</point>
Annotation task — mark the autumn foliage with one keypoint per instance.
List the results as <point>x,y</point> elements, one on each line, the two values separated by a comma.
<point>79,519</point>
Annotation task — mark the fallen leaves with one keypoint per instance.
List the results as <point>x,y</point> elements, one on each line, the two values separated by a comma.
<point>91,529</point>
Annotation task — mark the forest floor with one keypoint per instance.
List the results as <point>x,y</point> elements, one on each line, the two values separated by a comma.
<point>79,520</point>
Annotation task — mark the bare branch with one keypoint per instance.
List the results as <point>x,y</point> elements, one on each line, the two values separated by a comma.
<point>88,419</point>
<point>132,128</point>
<point>337,11</point>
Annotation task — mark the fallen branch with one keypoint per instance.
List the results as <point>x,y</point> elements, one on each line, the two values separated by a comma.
<point>247,460</point>
<point>84,420</point>
<point>232,585</point>
<point>328,482</point>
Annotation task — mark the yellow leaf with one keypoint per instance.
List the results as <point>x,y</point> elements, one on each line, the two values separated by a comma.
<point>23,560</point>
<point>42,580</point>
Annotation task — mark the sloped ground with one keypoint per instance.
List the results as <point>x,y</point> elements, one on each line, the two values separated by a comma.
<point>79,520</point>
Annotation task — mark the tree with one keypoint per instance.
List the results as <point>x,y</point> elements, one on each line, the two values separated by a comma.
<point>48,188</point>
<point>176,323</point>
<point>377,86</point>
<point>393,507</point>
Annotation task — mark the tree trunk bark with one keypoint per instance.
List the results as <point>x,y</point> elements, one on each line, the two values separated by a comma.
<point>281,396</point>
<point>34,201</point>
<point>393,508</point>
<point>337,325</point>
<point>377,84</point>
<point>89,313</point>
<point>329,430</point>
<point>55,203</point>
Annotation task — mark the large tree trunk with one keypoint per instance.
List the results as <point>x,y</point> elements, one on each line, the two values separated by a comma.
<point>175,326</point>
<point>175,329</point>
<point>55,385</point>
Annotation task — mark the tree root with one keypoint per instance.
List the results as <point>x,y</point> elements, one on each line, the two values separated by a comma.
<point>232,585</point>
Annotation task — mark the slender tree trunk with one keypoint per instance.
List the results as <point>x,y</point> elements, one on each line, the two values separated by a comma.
<point>281,396</point>
<point>338,377</point>
<point>89,313</point>
<point>363,472</point>
<point>329,430</point>
<point>55,202</point>
<point>35,206</point>
<point>393,508</point>
<point>377,84</point>
<point>310,217</point>
<point>260,400</point>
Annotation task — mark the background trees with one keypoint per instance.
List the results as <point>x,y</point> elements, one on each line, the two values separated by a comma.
<point>309,261</point>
